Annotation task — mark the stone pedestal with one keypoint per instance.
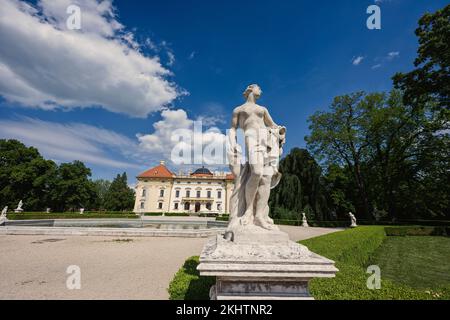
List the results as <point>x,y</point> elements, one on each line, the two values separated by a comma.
<point>261,264</point>
<point>18,210</point>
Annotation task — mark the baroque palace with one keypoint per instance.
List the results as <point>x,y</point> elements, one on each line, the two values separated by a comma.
<point>160,190</point>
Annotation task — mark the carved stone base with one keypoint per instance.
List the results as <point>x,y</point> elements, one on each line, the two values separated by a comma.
<point>261,264</point>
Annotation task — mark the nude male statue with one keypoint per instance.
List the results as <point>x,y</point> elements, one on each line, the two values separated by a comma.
<point>263,147</point>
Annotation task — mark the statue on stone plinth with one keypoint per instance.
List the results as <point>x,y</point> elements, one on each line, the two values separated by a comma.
<point>264,140</point>
<point>19,207</point>
<point>353,220</point>
<point>4,211</point>
<point>81,210</point>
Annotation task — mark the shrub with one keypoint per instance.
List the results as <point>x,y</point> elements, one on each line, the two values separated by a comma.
<point>350,249</point>
<point>417,231</point>
<point>187,283</point>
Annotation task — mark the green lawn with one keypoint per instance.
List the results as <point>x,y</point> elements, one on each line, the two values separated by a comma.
<point>352,250</point>
<point>419,262</point>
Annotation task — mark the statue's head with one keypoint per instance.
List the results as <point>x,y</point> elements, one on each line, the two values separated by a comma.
<point>253,88</point>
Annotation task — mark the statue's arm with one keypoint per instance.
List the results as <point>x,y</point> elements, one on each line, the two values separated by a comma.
<point>268,121</point>
<point>234,152</point>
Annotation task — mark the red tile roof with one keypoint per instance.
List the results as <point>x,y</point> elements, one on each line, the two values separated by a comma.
<point>160,171</point>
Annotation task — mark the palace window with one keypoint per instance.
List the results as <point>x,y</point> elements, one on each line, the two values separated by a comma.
<point>144,192</point>
<point>219,207</point>
<point>208,206</point>
<point>186,206</point>
<point>161,193</point>
<point>219,194</point>
<point>188,193</point>
<point>177,193</point>
<point>160,205</point>
<point>208,194</point>
<point>176,206</point>
<point>198,194</point>
<point>142,205</point>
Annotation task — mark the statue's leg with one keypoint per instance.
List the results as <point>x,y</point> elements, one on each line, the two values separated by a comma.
<point>262,209</point>
<point>251,189</point>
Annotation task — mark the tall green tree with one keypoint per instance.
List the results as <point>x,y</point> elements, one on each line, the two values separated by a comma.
<point>300,189</point>
<point>119,196</point>
<point>25,175</point>
<point>430,80</point>
<point>340,137</point>
<point>101,187</point>
<point>73,188</point>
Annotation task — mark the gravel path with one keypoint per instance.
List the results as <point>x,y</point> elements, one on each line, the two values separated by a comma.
<point>34,267</point>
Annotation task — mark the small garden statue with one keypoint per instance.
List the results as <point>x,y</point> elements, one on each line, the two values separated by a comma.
<point>4,211</point>
<point>47,210</point>
<point>81,210</point>
<point>19,207</point>
<point>304,221</point>
<point>353,220</point>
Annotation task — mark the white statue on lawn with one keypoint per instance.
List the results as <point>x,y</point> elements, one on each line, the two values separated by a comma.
<point>19,207</point>
<point>304,220</point>
<point>264,140</point>
<point>81,210</point>
<point>353,220</point>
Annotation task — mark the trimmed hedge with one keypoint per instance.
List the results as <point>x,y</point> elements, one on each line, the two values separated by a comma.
<point>350,249</point>
<point>417,231</point>
<point>63,215</point>
<point>188,284</point>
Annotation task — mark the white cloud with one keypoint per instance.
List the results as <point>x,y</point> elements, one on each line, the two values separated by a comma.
<point>392,55</point>
<point>45,65</point>
<point>357,60</point>
<point>192,55</point>
<point>171,57</point>
<point>376,66</point>
<point>69,142</point>
<point>164,138</point>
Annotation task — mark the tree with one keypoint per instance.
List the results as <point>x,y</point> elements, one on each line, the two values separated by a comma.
<point>340,137</point>
<point>101,187</point>
<point>300,189</point>
<point>25,175</point>
<point>119,196</point>
<point>73,189</point>
<point>431,78</point>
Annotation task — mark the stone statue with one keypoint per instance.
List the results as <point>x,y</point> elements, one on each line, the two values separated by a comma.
<point>253,259</point>
<point>353,220</point>
<point>81,210</point>
<point>4,211</point>
<point>264,140</point>
<point>304,221</point>
<point>19,207</point>
<point>47,210</point>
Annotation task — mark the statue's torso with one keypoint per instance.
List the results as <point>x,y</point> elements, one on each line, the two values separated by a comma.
<point>250,117</point>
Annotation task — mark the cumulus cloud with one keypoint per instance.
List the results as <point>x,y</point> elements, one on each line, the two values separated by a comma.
<point>176,133</point>
<point>45,65</point>
<point>73,141</point>
<point>357,60</point>
<point>65,142</point>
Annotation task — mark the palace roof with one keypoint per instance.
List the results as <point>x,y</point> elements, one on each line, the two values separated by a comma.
<point>160,171</point>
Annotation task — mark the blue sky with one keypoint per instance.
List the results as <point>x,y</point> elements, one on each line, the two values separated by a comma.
<point>302,54</point>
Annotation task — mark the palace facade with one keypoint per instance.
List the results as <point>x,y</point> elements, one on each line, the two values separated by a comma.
<point>160,190</point>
